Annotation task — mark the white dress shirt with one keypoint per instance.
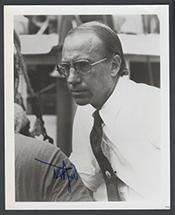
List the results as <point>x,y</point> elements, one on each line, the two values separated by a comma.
<point>131,141</point>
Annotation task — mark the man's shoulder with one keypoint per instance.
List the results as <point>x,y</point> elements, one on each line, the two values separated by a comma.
<point>142,88</point>
<point>19,138</point>
<point>31,146</point>
<point>33,155</point>
<point>140,94</point>
<point>30,141</point>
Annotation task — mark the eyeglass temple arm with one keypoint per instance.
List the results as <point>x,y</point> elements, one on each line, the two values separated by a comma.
<point>93,64</point>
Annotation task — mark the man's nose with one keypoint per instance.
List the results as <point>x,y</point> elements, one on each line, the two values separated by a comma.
<point>73,77</point>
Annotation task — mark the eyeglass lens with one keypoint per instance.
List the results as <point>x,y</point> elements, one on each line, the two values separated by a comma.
<point>81,67</point>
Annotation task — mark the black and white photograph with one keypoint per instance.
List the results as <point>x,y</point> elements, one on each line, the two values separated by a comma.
<point>87,107</point>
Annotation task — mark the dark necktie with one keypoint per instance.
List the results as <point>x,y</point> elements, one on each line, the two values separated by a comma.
<point>111,180</point>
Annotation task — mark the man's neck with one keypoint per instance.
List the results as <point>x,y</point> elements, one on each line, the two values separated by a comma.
<point>98,107</point>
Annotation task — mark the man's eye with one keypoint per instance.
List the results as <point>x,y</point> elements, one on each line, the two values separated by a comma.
<point>66,67</point>
<point>82,66</point>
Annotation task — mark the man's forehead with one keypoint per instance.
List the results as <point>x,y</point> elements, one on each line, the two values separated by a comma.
<point>82,38</point>
<point>82,43</point>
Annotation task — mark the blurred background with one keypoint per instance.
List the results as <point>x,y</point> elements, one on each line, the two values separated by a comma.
<point>41,38</point>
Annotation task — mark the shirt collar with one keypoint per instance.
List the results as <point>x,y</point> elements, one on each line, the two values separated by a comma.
<point>113,104</point>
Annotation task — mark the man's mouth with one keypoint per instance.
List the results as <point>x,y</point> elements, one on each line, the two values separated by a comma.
<point>78,93</point>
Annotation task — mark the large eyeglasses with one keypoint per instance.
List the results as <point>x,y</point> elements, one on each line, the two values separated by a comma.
<point>82,67</point>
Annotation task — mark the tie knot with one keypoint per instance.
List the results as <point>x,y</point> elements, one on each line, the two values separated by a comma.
<point>97,118</point>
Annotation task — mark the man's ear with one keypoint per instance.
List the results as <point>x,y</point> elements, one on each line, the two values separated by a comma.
<point>116,64</point>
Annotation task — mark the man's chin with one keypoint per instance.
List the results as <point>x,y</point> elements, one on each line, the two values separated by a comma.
<point>80,101</point>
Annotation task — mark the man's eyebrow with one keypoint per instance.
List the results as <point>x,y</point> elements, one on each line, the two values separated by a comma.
<point>77,60</point>
<point>81,59</point>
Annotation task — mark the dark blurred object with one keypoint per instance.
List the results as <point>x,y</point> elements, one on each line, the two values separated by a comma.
<point>151,24</point>
<point>139,73</point>
<point>42,24</point>
<point>34,101</point>
<point>106,19</point>
<point>37,129</point>
<point>19,100</point>
<point>48,24</point>
<point>36,22</point>
<point>22,123</point>
<point>136,24</point>
<point>21,24</point>
<point>44,86</point>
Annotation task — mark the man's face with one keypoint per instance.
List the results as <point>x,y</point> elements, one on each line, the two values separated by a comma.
<point>94,87</point>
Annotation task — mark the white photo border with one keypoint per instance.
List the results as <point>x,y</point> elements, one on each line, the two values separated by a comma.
<point>9,12</point>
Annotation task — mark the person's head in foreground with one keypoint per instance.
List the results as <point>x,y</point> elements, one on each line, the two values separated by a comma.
<point>92,62</point>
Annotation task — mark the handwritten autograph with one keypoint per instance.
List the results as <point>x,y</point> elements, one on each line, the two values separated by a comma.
<point>63,172</point>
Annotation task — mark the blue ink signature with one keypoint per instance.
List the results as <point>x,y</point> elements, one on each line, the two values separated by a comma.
<point>63,172</point>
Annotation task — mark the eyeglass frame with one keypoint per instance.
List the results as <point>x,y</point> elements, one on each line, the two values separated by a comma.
<point>71,66</point>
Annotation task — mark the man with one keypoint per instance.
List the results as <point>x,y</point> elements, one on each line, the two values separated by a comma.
<point>44,173</point>
<point>115,113</point>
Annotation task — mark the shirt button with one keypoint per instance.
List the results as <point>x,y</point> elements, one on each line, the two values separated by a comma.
<point>108,174</point>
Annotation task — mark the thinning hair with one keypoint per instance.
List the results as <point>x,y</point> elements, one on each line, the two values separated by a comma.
<point>109,38</point>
